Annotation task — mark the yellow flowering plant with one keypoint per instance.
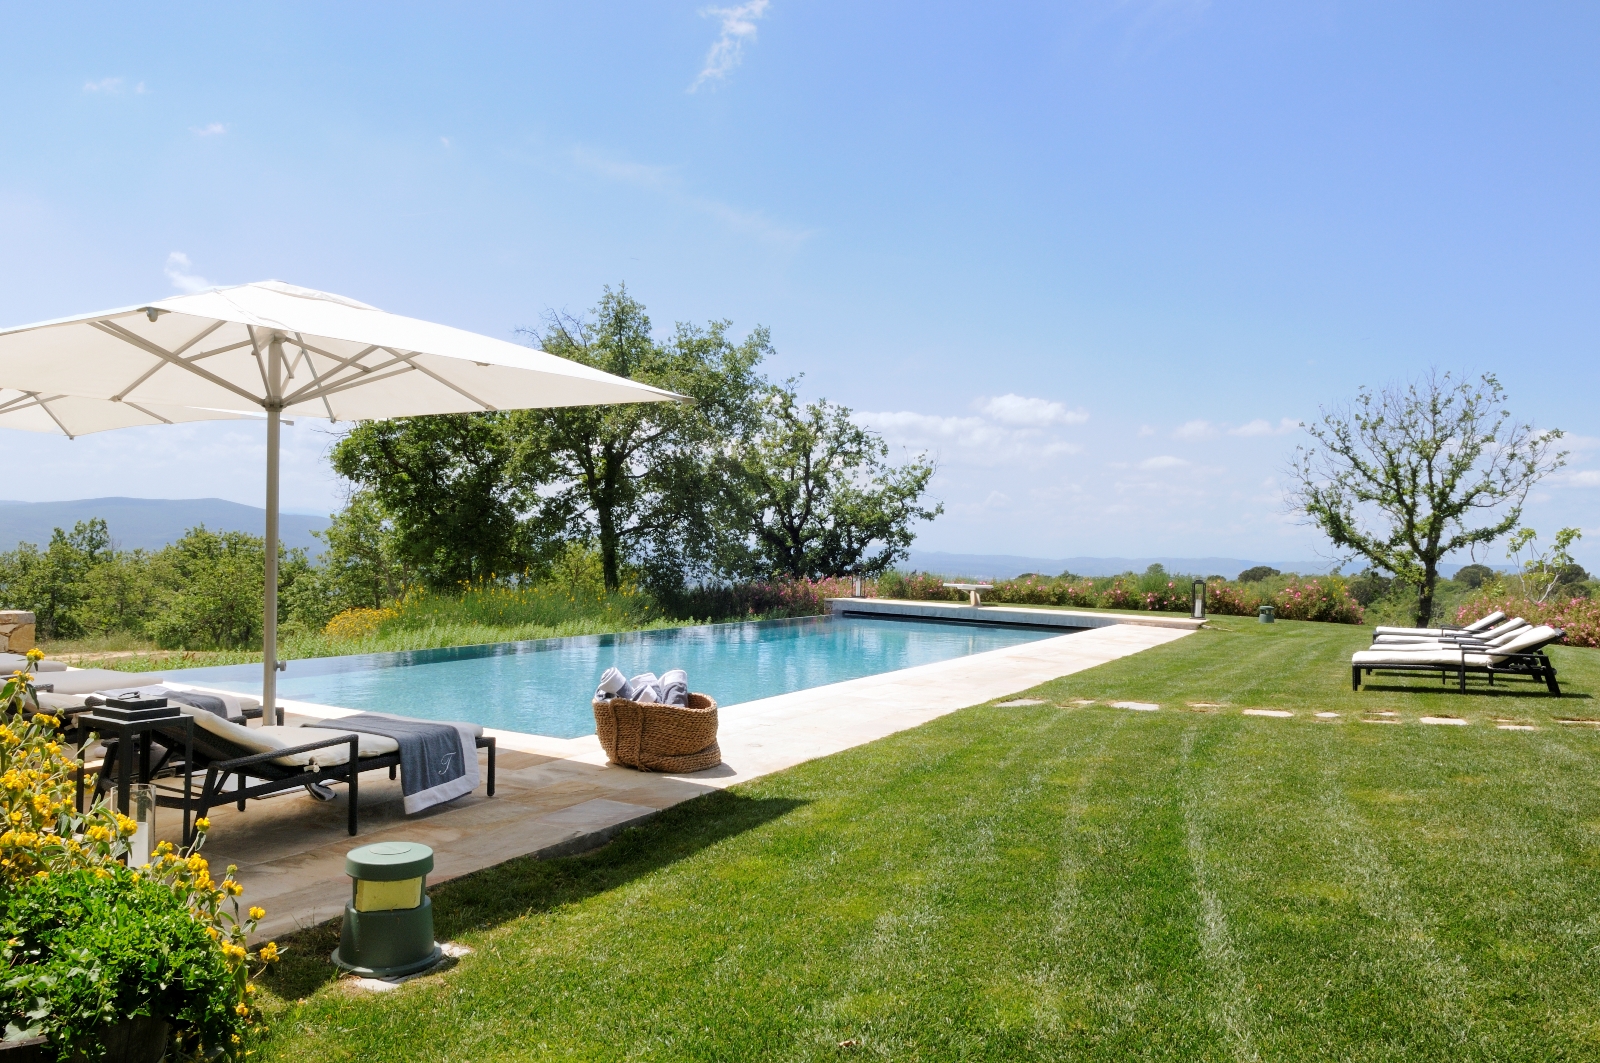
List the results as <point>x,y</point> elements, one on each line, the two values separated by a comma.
<point>67,975</point>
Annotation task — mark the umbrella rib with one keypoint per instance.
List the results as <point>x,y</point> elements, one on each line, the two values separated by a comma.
<point>217,350</point>
<point>113,329</point>
<point>463,392</point>
<point>149,413</point>
<point>343,363</point>
<point>202,334</point>
<point>334,389</point>
<point>45,406</point>
<point>153,370</point>
<point>255,347</point>
<point>315,379</point>
<point>314,389</point>
<point>21,402</point>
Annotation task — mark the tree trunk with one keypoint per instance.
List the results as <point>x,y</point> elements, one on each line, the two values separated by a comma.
<point>1430,577</point>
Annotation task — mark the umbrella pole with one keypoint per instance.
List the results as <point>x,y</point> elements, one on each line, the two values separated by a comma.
<point>269,619</point>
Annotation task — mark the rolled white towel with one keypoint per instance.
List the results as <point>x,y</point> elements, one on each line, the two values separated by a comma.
<point>612,685</point>
<point>675,687</point>
<point>646,689</point>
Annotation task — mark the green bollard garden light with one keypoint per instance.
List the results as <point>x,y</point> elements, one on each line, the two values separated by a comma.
<point>388,924</point>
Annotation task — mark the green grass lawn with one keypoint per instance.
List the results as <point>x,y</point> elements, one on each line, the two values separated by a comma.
<point>1060,881</point>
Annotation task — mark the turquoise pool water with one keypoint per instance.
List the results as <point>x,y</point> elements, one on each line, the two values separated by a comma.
<point>544,686</point>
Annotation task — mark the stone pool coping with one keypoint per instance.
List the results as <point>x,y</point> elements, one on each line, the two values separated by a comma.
<point>559,796</point>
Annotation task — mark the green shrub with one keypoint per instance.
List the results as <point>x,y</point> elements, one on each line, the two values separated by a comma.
<point>90,947</point>
<point>90,942</point>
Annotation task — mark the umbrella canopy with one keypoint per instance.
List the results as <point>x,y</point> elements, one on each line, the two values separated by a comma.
<point>72,416</point>
<point>277,349</point>
<point>309,353</point>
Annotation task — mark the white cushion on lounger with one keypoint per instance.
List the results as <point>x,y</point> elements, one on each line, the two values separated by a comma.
<point>1494,636</point>
<point>477,729</point>
<point>1434,632</point>
<point>90,680</point>
<point>267,739</point>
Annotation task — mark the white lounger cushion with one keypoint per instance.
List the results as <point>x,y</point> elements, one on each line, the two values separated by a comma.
<point>1497,634</point>
<point>1434,632</point>
<point>90,680</point>
<point>1524,640</point>
<point>267,739</point>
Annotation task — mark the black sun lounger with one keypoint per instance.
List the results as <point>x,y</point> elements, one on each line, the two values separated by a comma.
<point>262,761</point>
<point>1523,656</point>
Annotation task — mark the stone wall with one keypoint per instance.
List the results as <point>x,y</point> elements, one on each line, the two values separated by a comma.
<point>16,631</point>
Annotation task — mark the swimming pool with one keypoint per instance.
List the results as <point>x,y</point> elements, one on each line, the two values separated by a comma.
<point>543,687</point>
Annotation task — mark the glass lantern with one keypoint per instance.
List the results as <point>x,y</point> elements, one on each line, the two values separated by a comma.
<point>1199,612</point>
<point>142,810</point>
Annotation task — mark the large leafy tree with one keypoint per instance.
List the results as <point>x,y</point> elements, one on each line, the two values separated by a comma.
<point>819,496</point>
<point>463,505</point>
<point>1409,475</point>
<point>641,481</point>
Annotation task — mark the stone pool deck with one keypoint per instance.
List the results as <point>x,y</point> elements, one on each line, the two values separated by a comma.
<point>556,796</point>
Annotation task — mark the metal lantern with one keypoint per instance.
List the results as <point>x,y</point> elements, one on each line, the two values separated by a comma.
<point>1199,612</point>
<point>388,924</point>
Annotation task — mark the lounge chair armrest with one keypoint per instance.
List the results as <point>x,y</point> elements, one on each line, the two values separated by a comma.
<point>288,751</point>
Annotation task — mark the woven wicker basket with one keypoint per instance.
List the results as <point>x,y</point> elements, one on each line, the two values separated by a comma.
<point>674,738</point>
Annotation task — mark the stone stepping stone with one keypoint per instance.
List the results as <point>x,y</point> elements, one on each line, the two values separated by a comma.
<point>1206,705</point>
<point>1573,721</point>
<point>1136,706</point>
<point>1448,721</point>
<point>1276,713</point>
<point>1381,717</point>
<point>1515,727</point>
<point>1017,703</point>
<point>1081,703</point>
<point>1327,715</point>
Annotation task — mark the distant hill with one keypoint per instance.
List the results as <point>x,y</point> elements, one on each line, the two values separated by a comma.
<point>150,523</point>
<point>1007,566</point>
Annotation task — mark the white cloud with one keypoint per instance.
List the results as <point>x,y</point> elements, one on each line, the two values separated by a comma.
<point>1008,430</point>
<point>1585,478</point>
<point>107,86</point>
<point>1258,427</point>
<point>178,267</point>
<point>1027,412</point>
<point>738,26</point>
<point>215,129</point>
<point>1194,430</point>
<point>445,141</point>
<point>1163,461</point>
<point>1146,430</point>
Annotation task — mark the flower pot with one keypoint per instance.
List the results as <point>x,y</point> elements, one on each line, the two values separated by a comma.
<point>141,1039</point>
<point>30,1050</point>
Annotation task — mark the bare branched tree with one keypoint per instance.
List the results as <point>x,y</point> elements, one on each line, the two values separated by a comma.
<point>1399,477</point>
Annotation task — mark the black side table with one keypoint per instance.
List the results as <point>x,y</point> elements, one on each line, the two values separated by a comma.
<point>129,733</point>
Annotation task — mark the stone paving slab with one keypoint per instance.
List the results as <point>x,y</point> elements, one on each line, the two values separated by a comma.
<point>559,796</point>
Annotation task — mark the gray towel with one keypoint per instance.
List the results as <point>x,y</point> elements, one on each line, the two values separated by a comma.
<point>194,699</point>
<point>675,687</point>
<point>435,764</point>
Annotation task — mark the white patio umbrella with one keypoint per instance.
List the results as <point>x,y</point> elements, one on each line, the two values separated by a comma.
<point>275,349</point>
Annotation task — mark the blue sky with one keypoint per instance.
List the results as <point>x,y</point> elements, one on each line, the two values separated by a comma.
<point>1100,257</point>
